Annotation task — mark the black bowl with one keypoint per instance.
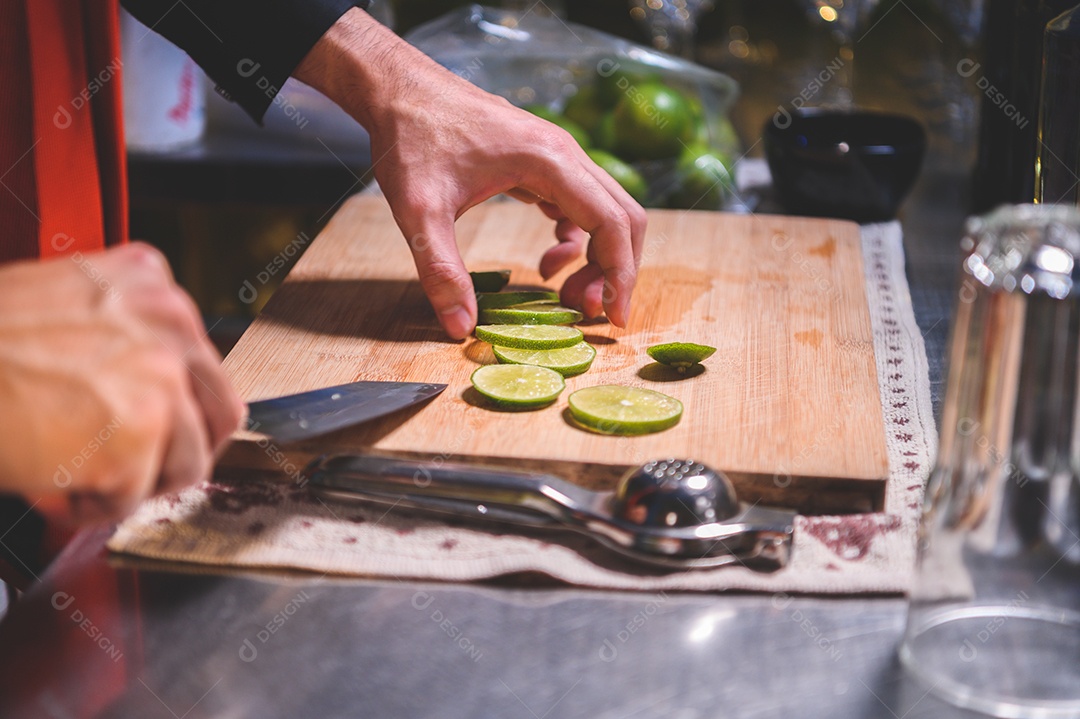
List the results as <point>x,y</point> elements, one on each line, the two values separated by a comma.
<point>855,165</point>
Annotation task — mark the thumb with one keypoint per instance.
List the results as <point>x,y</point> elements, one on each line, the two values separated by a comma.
<point>442,273</point>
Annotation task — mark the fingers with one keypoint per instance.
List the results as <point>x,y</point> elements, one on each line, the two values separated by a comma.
<point>595,203</point>
<point>220,406</point>
<point>607,291</point>
<point>118,390</point>
<point>189,454</point>
<point>442,273</point>
<point>572,240</point>
<point>111,491</point>
<point>199,409</point>
<point>174,320</point>
<point>584,289</point>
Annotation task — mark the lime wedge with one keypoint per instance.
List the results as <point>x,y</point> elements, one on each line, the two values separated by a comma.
<point>529,337</point>
<point>518,385</point>
<point>490,281</point>
<point>538,314</point>
<point>680,354</point>
<point>494,300</point>
<point>567,361</point>
<point>612,409</point>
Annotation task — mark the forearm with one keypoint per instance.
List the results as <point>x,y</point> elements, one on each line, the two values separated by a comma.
<point>367,69</point>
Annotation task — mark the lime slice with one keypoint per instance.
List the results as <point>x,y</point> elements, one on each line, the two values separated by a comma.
<point>529,337</point>
<point>567,361</point>
<point>538,314</point>
<point>680,354</point>
<point>494,300</point>
<point>518,385</point>
<point>490,281</point>
<point>612,409</point>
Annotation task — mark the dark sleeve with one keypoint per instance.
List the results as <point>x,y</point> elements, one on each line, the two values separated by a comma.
<point>248,47</point>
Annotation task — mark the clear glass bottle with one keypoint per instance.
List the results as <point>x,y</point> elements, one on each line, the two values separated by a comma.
<point>1007,78</point>
<point>1057,170</point>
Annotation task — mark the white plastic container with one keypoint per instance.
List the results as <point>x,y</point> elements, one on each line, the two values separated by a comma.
<point>164,96</point>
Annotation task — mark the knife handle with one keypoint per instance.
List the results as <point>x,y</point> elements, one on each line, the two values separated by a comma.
<point>446,486</point>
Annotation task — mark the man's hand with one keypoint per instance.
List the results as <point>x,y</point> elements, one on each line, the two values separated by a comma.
<point>110,390</point>
<point>440,145</point>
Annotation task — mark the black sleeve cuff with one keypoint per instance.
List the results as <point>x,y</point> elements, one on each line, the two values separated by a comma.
<point>248,47</point>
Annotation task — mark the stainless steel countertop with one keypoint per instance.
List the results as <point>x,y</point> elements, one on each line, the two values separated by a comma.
<point>210,646</point>
<point>96,638</point>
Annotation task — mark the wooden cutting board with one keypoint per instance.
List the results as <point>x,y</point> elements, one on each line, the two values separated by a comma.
<point>788,406</point>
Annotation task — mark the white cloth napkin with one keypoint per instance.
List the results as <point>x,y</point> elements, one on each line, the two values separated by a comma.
<point>264,524</point>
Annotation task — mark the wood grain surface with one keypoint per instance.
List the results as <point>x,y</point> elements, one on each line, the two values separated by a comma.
<point>788,406</point>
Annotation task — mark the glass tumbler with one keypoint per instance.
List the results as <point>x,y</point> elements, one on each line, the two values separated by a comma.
<point>994,617</point>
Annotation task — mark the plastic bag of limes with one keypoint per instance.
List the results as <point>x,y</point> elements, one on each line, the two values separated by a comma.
<point>656,123</point>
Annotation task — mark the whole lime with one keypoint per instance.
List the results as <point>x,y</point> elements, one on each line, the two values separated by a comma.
<point>705,179</point>
<point>715,131</point>
<point>603,137</point>
<point>576,131</point>
<point>614,80</point>
<point>630,179</point>
<point>585,109</point>
<point>699,132</point>
<point>652,122</point>
<point>726,137</point>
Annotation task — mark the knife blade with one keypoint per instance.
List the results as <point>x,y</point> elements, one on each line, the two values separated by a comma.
<point>308,414</point>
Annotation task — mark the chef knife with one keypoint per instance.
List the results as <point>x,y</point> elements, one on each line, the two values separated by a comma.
<point>309,414</point>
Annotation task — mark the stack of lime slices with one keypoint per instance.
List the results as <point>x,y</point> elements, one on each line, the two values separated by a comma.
<point>530,335</point>
<point>530,328</point>
<point>556,347</point>
<point>537,349</point>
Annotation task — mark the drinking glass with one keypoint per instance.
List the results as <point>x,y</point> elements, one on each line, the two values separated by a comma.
<point>994,616</point>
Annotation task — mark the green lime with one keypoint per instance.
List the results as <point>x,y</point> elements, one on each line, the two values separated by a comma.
<point>493,300</point>
<point>576,131</point>
<point>715,131</point>
<point>490,281</point>
<point>514,385</point>
<point>615,79</point>
<point>680,354</point>
<point>530,337</point>
<point>699,132</point>
<point>652,122</point>
<point>584,108</point>
<point>613,409</point>
<point>725,138</point>
<point>630,179</point>
<point>540,313</point>
<point>705,180</point>
<point>567,361</point>
<point>603,136</point>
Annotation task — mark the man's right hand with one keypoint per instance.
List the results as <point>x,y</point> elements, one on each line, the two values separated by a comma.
<point>110,391</point>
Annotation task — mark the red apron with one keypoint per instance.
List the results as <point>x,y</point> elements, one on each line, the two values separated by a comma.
<point>63,189</point>
<point>63,177</point>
